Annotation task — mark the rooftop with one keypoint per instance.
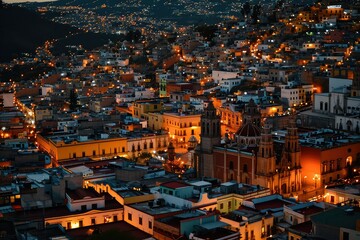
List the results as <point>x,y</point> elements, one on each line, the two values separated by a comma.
<point>175,185</point>
<point>305,227</point>
<point>345,217</point>
<point>154,210</point>
<point>81,193</point>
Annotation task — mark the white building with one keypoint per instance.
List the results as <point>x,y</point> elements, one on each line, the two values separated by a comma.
<point>220,75</point>
<point>46,89</point>
<point>295,96</point>
<point>144,93</point>
<point>227,84</point>
<point>8,99</point>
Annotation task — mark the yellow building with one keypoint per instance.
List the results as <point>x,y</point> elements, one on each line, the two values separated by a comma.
<point>231,119</point>
<point>182,126</point>
<point>231,202</point>
<point>61,148</point>
<point>155,120</point>
<point>69,147</point>
<point>142,107</point>
<point>271,110</point>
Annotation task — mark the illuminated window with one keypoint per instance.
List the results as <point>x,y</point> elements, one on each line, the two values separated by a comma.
<point>348,160</point>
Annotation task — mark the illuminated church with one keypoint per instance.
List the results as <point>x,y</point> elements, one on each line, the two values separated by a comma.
<point>252,157</point>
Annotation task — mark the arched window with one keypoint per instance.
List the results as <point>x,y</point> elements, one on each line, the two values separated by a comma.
<point>321,106</point>
<point>231,165</point>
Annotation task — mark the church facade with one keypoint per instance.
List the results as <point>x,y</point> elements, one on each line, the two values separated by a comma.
<point>251,157</point>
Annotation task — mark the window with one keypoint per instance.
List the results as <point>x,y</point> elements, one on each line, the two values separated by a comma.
<point>123,149</point>
<point>94,206</point>
<point>231,167</point>
<point>74,155</point>
<point>150,224</point>
<point>103,151</point>
<point>151,145</point>
<point>115,218</point>
<point>81,223</point>
<point>129,216</point>
<point>93,221</point>
<point>140,220</point>
<point>83,154</point>
<point>83,207</point>
<point>221,205</point>
<point>346,236</point>
<point>68,225</point>
<point>245,168</point>
<point>94,152</point>
<point>229,204</point>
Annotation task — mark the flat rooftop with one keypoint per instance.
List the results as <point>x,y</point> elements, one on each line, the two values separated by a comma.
<point>272,204</point>
<point>121,229</point>
<point>156,210</point>
<point>345,217</point>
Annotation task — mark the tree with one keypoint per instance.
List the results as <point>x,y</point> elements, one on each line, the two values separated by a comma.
<point>208,32</point>
<point>133,36</point>
<point>245,10</point>
<point>73,99</point>
<point>256,12</point>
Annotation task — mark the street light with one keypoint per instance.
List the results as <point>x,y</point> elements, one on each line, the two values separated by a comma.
<point>2,131</point>
<point>315,178</point>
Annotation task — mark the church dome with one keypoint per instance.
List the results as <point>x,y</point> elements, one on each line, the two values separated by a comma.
<point>248,130</point>
<point>249,135</point>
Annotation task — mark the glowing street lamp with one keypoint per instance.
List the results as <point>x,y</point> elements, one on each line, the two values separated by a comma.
<point>315,178</point>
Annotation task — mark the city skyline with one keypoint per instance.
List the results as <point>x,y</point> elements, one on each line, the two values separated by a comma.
<point>180,120</point>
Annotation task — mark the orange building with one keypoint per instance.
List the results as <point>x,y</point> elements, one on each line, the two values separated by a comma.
<point>323,165</point>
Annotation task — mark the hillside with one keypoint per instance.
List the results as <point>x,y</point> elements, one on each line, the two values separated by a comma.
<point>22,31</point>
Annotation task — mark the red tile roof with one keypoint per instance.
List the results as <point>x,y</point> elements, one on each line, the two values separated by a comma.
<point>310,210</point>
<point>175,185</point>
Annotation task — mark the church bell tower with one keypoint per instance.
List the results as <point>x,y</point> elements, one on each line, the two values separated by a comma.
<point>210,136</point>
